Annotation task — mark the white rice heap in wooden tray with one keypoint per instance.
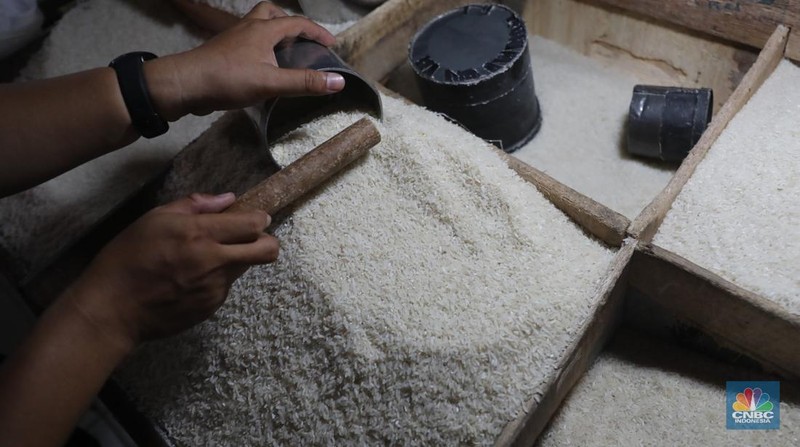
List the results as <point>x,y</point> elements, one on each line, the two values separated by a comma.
<point>39,222</point>
<point>644,392</point>
<point>425,294</point>
<point>739,214</point>
<point>582,141</point>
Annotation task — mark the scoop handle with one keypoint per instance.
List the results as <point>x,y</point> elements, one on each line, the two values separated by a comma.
<point>310,170</point>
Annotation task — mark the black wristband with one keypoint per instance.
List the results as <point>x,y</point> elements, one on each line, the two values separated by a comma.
<point>136,94</point>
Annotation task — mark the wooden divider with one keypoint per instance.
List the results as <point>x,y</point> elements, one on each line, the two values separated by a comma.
<point>733,316</point>
<point>746,21</point>
<point>595,333</point>
<point>595,218</point>
<point>646,225</point>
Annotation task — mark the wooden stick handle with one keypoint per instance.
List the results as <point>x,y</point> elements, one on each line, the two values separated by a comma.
<point>310,170</point>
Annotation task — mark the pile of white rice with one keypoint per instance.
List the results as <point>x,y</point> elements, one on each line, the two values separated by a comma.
<point>644,392</point>
<point>739,214</point>
<point>582,140</point>
<point>423,296</point>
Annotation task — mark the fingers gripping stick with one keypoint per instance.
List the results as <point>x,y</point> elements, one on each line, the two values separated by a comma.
<point>310,170</point>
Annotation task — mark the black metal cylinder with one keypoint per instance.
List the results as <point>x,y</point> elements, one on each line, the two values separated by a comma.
<point>473,65</point>
<point>281,114</point>
<point>666,122</point>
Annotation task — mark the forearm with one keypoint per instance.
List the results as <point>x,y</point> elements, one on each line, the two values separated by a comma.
<point>51,126</point>
<point>48,127</point>
<point>51,379</point>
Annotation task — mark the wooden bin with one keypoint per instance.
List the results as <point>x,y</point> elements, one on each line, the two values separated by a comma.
<point>644,37</point>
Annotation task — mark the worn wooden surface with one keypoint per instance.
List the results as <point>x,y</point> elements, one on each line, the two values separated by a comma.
<point>595,333</point>
<point>750,22</point>
<point>310,170</point>
<point>655,52</point>
<point>733,316</point>
<point>646,225</point>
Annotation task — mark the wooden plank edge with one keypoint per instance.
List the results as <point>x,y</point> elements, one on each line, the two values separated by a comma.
<point>733,316</point>
<point>645,226</point>
<point>596,332</point>
<point>595,218</point>
<point>747,22</point>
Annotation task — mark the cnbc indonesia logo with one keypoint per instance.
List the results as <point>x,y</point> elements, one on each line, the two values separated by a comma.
<point>753,407</point>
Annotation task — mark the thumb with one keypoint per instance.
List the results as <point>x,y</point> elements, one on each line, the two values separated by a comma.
<point>304,82</point>
<point>200,204</point>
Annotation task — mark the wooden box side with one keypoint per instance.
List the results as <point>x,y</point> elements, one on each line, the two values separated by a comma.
<point>732,316</point>
<point>525,430</point>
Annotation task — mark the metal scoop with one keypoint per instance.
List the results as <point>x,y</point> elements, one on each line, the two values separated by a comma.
<point>283,114</point>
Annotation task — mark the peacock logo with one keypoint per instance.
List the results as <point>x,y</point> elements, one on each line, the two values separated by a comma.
<point>753,405</point>
<point>752,399</point>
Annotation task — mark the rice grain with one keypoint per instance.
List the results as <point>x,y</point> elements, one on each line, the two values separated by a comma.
<point>422,297</point>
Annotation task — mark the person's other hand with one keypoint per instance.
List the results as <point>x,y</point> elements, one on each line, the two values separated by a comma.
<point>172,268</point>
<point>237,68</point>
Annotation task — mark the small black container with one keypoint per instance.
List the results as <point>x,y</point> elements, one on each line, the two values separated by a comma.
<point>281,114</point>
<point>473,65</point>
<point>666,122</point>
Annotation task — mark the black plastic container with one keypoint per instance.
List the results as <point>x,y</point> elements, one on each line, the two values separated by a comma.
<point>473,65</point>
<point>281,114</point>
<point>666,122</point>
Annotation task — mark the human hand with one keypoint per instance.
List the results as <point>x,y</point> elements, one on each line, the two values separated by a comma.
<point>172,268</point>
<point>238,68</point>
